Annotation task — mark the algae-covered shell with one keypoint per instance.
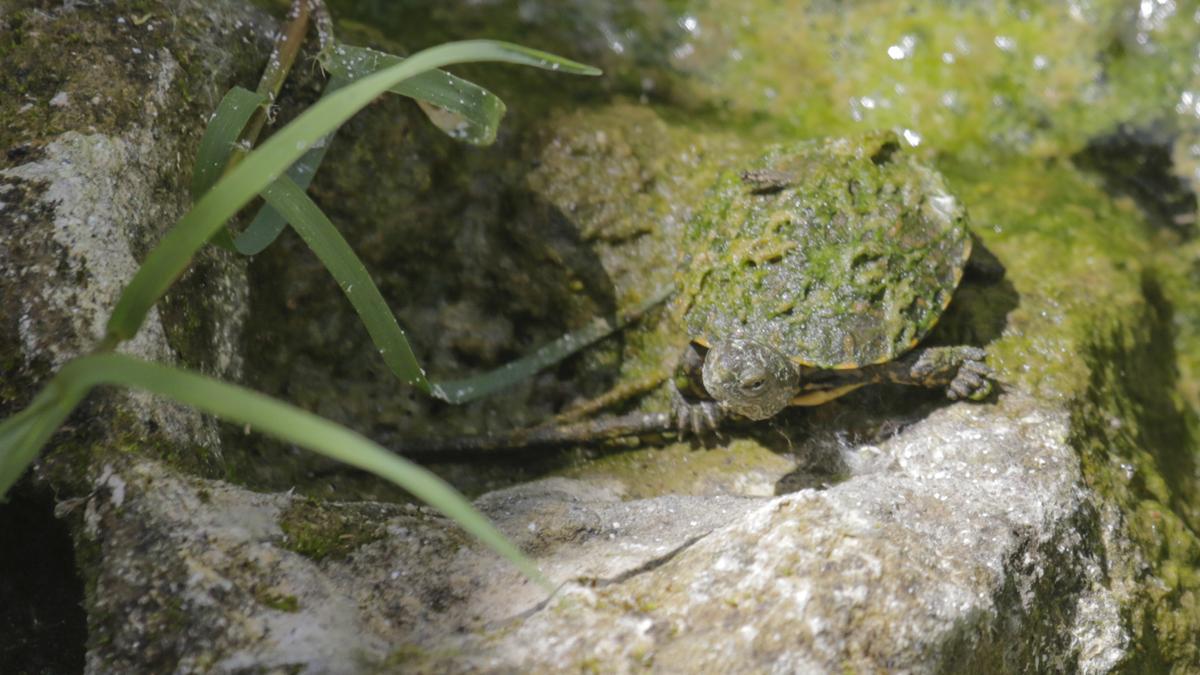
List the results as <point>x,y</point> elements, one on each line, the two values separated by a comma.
<point>837,252</point>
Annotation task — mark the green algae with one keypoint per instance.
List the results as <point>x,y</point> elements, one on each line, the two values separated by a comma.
<point>849,262</point>
<point>987,77</point>
<point>1099,333</point>
<point>1097,308</point>
<point>96,63</point>
<point>679,468</point>
<point>278,601</point>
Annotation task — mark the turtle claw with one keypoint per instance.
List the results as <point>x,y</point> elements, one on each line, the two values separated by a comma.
<point>960,369</point>
<point>698,418</point>
<point>972,382</point>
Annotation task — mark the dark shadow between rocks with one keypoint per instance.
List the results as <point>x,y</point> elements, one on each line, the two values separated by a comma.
<point>1136,161</point>
<point>42,621</point>
<point>479,272</point>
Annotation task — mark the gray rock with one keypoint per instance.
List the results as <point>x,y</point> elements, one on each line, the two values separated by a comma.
<point>1050,530</point>
<point>969,545</point>
<point>81,206</point>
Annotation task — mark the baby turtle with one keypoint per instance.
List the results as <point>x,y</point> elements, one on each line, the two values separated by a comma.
<point>814,273</point>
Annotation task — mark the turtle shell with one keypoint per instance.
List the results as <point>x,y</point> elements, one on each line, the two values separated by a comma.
<point>839,253</point>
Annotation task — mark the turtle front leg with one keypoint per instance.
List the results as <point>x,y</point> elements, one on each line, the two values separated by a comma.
<point>961,370</point>
<point>692,409</point>
<point>698,417</point>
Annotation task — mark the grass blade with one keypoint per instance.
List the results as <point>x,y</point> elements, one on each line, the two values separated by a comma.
<point>221,137</point>
<point>351,275</point>
<point>336,255</point>
<point>23,434</point>
<point>478,386</point>
<point>261,167</point>
<point>464,110</point>
<point>267,223</point>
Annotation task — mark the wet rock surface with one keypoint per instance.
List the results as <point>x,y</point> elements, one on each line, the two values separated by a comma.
<point>1051,528</point>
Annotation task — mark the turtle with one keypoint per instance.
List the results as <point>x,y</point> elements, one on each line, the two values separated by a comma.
<point>817,270</point>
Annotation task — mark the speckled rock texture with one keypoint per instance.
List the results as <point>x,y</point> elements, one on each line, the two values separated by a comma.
<point>969,546</point>
<point>1052,528</point>
<point>965,543</point>
<point>103,110</point>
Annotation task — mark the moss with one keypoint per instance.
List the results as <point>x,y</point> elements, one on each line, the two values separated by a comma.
<point>680,468</point>
<point>414,658</point>
<point>843,245</point>
<point>1094,327</point>
<point>319,530</point>
<point>1097,306</point>
<point>1040,216</point>
<point>97,58</point>
<point>576,211</point>
<point>278,601</point>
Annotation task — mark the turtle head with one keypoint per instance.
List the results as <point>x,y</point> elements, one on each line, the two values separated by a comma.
<point>749,378</point>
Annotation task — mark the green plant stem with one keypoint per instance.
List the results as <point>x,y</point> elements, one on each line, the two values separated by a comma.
<point>283,56</point>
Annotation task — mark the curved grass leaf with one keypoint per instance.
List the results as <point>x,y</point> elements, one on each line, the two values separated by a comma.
<point>24,434</point>
<point>220,142</point>
<point>221,137</point>
<point>267,223</point>
<point>295,206</point>
<point>351,275</point>
<point>218,146</point>
<point>452,93</point>
<point>262,166</point>
<point>463,110</point>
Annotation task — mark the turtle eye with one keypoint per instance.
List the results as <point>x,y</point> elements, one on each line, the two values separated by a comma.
<point>754,384</point>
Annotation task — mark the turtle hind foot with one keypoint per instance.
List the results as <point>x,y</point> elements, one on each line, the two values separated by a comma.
<point>961,370</point>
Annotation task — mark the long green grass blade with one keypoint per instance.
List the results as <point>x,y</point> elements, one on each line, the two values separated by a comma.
<point>267,223</point>
<point>464,110</point>
<point>478,386</point>
<point>262,166</point>
<point>351,275</point>
<point>220,142</point>
<point>23,434</point>
<point>336,255</point>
